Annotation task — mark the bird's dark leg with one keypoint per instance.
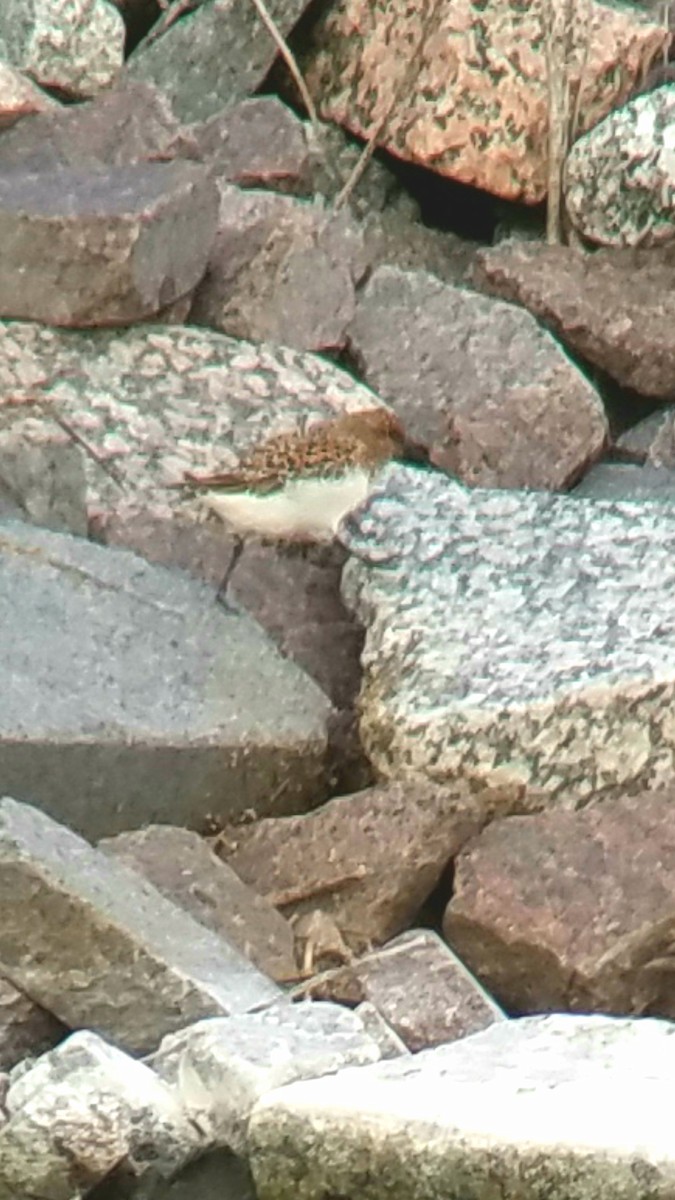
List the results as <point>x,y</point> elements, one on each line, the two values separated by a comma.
<point>221,595</point>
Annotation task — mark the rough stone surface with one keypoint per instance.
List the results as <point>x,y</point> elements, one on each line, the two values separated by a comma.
<point>182,866</point>
<point>555,1106</point>
<point>25,1028</point>
<point>651,441</point>
<point>340,857</point>
<point>213,56</point>
<point>88,1105</point>
<point>19,96</point>
<point>477,380</point>
<point>418,986</point>
<point>620,177</point>
<point>222,1067</point>
<point>615,308</point>
<point>515,637</point>
<point>462,89</point>
<point>128,124</point>
<point>560,911</point>
<point>42,472</point>
<point>281,270</point>
<point>76,48</point>
<point>258,143</point>
<point>396,238</point>
<point>139,967</point>
<point>84,247</point>
<point>130,696</point>
<point>154,402</point>
<point>373,1022</point>
<point>626,481</point>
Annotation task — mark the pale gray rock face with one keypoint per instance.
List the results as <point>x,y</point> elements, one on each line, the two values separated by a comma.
<point>560,1106</point>
<point>76,47</point>
<point>620,177</point>
<point>101,948</point>
<point>130,696</point>
<point>80,1109</point>
<point>221,1068</point>
<point>514,636</point>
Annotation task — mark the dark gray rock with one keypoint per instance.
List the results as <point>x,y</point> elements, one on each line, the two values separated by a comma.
<point>479,381</point>
<point>626,481</point>
<point>84,247</point>
<point>214,55</point>
<point>130,696</point>
<point>101,948</point>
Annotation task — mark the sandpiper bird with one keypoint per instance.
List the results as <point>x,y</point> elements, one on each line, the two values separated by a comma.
<point>299,486</point>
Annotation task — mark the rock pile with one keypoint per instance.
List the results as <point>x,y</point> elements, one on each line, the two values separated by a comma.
<point>357,882</point>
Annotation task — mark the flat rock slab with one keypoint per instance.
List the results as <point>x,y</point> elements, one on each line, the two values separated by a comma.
<point>555,1106</point>
<point>479,381</point>
<point>130,696</point>
<point>616,308</point>
<point>212,56</point>
<point>101,948</point>
<point>515,636</point>
<point>184,868</point>
<point>103,247</point>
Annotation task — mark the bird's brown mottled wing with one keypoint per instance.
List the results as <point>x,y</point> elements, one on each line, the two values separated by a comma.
<point>269,465</point>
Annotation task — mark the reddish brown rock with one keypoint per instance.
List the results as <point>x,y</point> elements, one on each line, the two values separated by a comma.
<point>434,101</point>
<point>257,143</point>
<point>103,247</point>
<point>133,123</point>
<point>489,391</point>
<point>183,868</point>
<point>281,271</point>
<point>572,911</point>
<point>615,308</point>
<point>419,987</point>
<point>369,860</point>
<point>25,1028</point>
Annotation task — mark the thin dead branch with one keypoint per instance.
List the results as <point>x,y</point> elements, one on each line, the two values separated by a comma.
<point>559,22</point>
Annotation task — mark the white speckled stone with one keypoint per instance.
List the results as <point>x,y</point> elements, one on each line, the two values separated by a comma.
<point>77,47</point>
<point>559,1107</point>
<point>620,177</point>
<point>515,636</point>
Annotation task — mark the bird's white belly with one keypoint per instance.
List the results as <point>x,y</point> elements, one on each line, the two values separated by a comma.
<point>304,508</point>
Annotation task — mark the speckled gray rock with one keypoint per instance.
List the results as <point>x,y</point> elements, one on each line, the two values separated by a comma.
<point>155,401</point>
<point>103,247</point>
<point>42,472</point>
<point>213,56</point>
<point>281,270</point>
<point>130,696</point>
<point>515,636</point>
<point>258,143</point>
<point>555,1106</point>
<point>19,96</point>
<point>479,381</point>
<point>139,967</point>
<point>620,177</point>
<point>82,1108</point>
<point>222,1067</point>
<point>76,47</point>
